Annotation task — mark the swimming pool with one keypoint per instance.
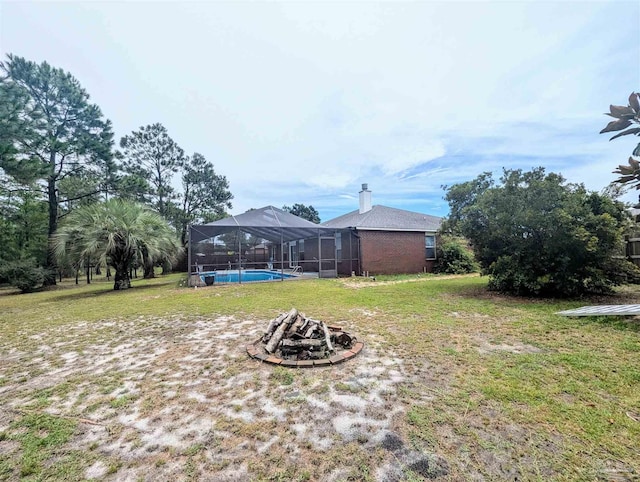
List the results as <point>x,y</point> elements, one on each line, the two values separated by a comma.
<point>248,276</point>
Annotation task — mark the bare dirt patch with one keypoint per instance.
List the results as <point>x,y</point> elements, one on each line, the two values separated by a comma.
<point>156,395</point>
<point>486,344</point>
<point>363,282</point>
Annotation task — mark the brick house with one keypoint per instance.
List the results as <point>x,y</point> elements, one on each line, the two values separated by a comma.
<point>384,240</point>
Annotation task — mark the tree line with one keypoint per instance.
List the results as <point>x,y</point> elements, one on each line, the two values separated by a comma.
<point>58,155</point>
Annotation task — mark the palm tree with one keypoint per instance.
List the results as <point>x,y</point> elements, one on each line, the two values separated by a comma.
<point>116,232</point>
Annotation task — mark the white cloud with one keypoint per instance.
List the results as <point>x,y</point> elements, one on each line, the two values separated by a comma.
<point>413,156</point>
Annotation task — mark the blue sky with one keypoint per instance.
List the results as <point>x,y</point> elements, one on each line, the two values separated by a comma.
<point>305,101</point>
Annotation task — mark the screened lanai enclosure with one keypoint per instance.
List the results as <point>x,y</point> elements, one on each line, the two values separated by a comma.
<point>264,244</point>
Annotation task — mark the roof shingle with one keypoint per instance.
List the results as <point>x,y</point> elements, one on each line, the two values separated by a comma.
<point>386,218</point>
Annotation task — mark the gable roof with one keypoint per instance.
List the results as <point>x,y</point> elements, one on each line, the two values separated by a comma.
<point>384,218</point>
<point>268,222</point>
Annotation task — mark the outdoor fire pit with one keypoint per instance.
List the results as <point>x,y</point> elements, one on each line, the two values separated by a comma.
<point>294,340</point>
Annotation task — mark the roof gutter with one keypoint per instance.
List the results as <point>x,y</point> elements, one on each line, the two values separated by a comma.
<point>394,229</point>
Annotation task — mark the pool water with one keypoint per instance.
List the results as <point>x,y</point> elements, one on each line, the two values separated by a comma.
<point>247,276</point>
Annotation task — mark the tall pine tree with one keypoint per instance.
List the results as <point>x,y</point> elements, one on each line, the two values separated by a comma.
<point>54,134</point>
<point>205,195</point>
<point>150,154</point>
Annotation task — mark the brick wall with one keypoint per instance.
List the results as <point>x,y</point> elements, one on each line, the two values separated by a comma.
<point>391,252</point>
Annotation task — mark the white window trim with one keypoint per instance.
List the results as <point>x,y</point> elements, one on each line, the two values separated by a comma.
<point>431,247</point>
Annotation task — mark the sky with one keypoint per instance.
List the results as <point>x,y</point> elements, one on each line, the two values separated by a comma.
<point>302,102</point>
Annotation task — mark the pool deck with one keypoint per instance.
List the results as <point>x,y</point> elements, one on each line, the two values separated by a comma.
<point>195,279</point>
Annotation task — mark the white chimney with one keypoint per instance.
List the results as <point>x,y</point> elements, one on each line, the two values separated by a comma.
<point>365,199</point>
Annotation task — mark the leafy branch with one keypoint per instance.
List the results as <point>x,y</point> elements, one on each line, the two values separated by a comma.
<point>626,116</point>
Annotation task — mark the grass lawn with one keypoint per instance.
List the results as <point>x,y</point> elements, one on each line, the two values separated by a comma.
<point>454,383</point>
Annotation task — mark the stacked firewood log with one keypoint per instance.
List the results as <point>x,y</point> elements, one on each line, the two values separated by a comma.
<point>293,336</point>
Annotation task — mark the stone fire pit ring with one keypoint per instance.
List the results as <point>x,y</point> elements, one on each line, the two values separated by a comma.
<point>297,341</point>
<point>253,350</point>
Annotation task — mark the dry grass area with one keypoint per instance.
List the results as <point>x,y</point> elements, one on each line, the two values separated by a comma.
<point>453,384</point>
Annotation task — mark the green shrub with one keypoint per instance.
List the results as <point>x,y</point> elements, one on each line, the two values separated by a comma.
<point>536,235</point>
<point>24,274</point>
<point>454,257</point>
<point>507,275</point>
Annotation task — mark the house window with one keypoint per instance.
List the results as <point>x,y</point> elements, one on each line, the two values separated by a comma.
<point>430,246</point>
<point>301,250</point>
<point>339,246</point>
